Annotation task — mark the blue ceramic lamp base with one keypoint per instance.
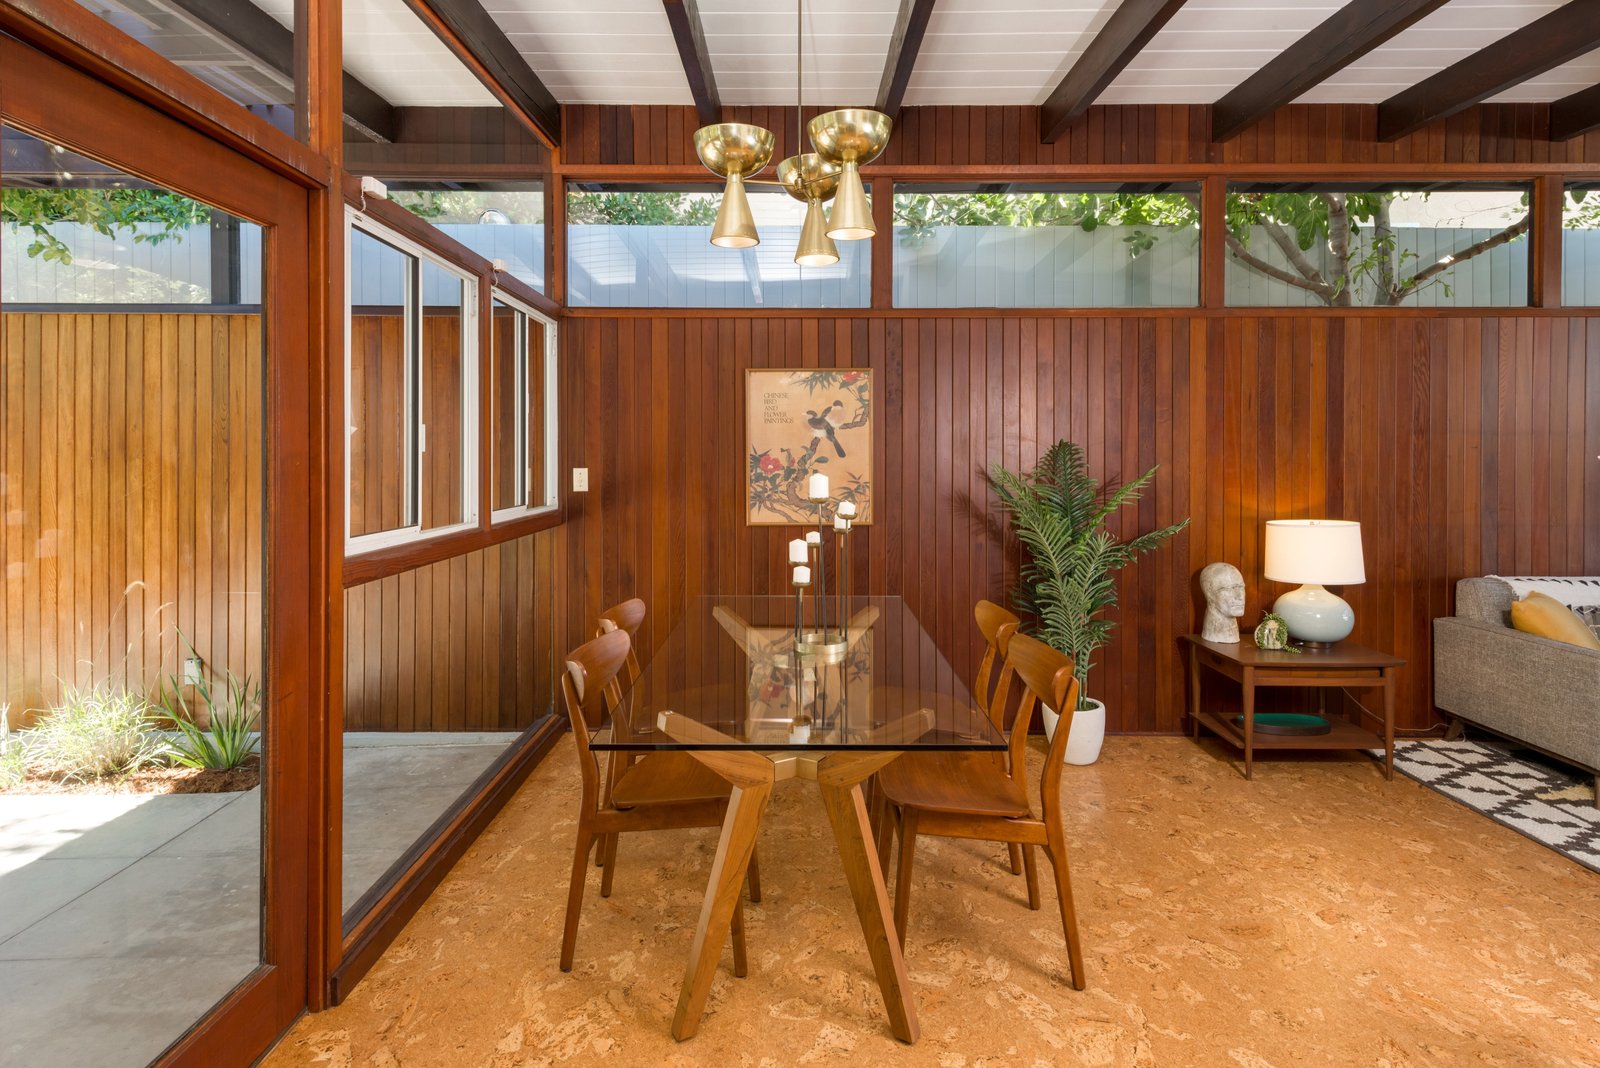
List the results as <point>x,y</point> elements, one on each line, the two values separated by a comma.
<point>1315,616</point>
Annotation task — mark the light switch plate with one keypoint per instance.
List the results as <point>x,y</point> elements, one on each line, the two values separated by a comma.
<point>580,480</point>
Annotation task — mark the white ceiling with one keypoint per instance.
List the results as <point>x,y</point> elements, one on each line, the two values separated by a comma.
<point>975,51</point>
<point>983,51</point>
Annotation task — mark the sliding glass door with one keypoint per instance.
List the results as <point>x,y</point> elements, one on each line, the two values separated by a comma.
<point>162,635</point>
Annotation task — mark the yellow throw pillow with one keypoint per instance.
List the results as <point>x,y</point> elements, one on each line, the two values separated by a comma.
<point>1543,615</point>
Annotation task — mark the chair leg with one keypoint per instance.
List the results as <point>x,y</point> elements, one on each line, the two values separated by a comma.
<point>1069,916</point>
<point>902,879</point>
<point>741,962</point>
<point>1016,858</point>
<point>752,878</point>
<point>1032,866</point>
<point>580,869</point>
<point>600,850</point>
<point>886,824</point>
<point>610,864</point>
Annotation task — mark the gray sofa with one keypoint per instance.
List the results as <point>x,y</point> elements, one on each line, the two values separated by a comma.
<point>1543,693</point>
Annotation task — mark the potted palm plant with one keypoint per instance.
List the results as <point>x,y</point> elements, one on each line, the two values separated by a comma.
<point>1068,575</point>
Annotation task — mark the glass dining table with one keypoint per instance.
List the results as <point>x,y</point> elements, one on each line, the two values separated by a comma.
<point>731,687</point>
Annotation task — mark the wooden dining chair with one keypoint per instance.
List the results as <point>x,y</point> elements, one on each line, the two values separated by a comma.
<point>982,802</point>
<point>659,791</point>
<point>628,617</point>
<point>992,691</point>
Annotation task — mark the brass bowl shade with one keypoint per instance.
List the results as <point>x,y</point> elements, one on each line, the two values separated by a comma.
<point>850,135</point>
<point>809,177</point>
<point>733,148</point>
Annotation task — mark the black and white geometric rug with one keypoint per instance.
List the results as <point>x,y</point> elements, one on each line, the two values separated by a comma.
<point>1552,804</point>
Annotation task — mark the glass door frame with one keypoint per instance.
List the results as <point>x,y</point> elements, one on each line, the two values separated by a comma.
<point>46,98</point>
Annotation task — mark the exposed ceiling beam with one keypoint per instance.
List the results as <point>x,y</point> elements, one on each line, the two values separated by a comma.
<point>1341,39</point>
<point>903,48</point>
<point>270,43</point>
<point>478,41</point>
<point>684,18</point>
<point>1129,29</point>
<point>1575,114</point>
<point>1564,34</point>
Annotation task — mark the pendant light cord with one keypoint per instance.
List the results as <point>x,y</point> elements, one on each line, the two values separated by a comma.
<point>799,74</point>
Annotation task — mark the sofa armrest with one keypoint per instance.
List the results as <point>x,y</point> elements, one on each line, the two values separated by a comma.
<point>1537,690</point>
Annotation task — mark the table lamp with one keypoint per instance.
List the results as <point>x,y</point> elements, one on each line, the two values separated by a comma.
<point>1315,552</point>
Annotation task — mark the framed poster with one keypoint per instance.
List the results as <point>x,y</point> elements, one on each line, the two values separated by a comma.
<point>804,422</point>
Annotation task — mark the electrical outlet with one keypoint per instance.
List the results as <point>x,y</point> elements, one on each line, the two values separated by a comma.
<point>580,480</point>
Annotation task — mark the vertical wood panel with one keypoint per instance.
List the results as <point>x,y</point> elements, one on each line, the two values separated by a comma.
<point>130,482</point>
<point>1448,437</point>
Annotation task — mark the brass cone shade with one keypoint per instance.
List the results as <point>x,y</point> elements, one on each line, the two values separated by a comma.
<point>816,248</point>
<point>852,212</point>
<point>735,226</point>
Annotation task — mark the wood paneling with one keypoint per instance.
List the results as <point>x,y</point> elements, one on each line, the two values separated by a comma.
<point>130,477</point>
<point>465,644</point>
<point>1463,443</point>
<point>1114,135</point>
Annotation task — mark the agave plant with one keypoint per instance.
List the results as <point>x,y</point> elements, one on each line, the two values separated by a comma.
<point>233,737</point>
<point>1068,577</point>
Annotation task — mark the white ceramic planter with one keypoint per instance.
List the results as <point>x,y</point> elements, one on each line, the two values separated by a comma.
<point>1088,731</point>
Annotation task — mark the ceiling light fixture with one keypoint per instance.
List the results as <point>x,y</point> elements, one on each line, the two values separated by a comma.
<point>843,140</point>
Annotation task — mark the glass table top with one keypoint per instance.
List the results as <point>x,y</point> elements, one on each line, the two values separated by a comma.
<point>729,677</point>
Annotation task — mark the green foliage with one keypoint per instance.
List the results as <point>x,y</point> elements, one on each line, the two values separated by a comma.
<point>94,731</point>
<point>467,205</point>
<point>13,759</point>
<point>1068,578</point>
<point>105,210</point>
<point>642,209</point>
<point>919,213</point>
<point>233,738</point>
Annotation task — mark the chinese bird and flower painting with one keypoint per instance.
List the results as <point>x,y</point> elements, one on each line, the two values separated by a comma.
<point>804,422</point>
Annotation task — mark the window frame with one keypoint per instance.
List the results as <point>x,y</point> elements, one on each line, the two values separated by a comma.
<point>357,545</point>
<point>552,419</point>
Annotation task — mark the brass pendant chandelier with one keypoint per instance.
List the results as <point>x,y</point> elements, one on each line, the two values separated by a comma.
<point>843,140</point>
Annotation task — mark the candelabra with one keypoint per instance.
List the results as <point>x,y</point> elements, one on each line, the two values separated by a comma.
<point>824,644</point>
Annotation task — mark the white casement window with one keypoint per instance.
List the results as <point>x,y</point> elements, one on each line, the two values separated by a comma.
<point>411,391</point>
<point>522,410</point>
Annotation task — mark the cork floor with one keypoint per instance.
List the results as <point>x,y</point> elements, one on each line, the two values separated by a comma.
<point>1316,916</point>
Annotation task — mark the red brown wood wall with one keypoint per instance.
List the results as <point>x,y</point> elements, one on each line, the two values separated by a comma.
<point>130,475</point>
<point>1465,445</point>
<point>987,137</point>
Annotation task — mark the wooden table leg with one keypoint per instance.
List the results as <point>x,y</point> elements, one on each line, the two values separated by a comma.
<point>840,776</point>
<point>1194,692</point>
<point>1388,724</point>
<point>751,775</point>
<point>1249,691</point>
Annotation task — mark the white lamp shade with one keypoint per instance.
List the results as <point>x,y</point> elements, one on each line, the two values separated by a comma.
<point>1322,551</point>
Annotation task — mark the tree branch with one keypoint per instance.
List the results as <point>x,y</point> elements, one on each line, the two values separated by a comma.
<point>1256,263</point>
<point>1427,274</point>
<point>1296,258</point>
<point>1339,246</point>
<point>1383,242</point>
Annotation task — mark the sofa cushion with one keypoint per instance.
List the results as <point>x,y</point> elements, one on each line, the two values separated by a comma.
<point>1577,591</point>
<point>1543,615</point>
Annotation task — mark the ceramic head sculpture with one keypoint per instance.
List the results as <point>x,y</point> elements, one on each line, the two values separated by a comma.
<point>1223,587</point>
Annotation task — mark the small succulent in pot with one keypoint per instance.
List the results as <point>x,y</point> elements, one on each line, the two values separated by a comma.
<point>1273,633</point>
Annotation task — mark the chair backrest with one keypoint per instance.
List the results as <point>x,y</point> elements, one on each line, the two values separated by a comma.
<point>991,618</point>
<point>1047,675</point>
<point>628,617</point>
<point>587,688</point>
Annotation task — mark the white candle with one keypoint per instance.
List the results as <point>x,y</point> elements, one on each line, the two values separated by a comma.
<point>841,524</point>
<point>819,487</point>
<point>847,509</point>
<point>797,551</point>
<point>802,575</point>
<point>813,537</point>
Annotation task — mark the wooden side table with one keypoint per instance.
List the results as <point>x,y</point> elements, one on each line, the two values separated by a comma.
<point>1346,664</point>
